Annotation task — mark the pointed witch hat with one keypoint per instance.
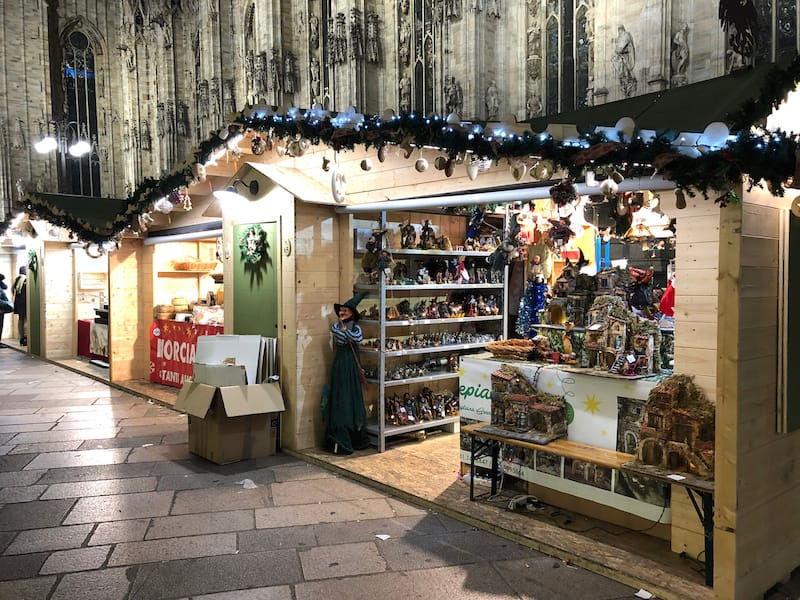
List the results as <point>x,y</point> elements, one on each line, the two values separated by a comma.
<point>351,304</point>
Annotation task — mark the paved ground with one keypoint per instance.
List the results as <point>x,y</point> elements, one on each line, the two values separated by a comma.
<point>99,498</point>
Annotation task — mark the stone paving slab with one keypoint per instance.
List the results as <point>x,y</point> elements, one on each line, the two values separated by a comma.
<point>21,566</point>
<point>21,494</point>
<point>114,532</point>
<point>547,578</point>
<point>120,507</point>
<point>65,435</point>
<point>300,472</point>
<point>15,462</point>
<point>153,440</point>
<point>310,491</point>
<point>5,540</point>
<point>34,515</point>
<point>19,478</point>
<point>46,447</point>
<point>281,592</point>
<point>275,539</point>
<point>50,539</point>
<point>79,458</point>
<point>159,453</point>
<point>39,426</point>
<point>187,578</point>
<point>116,471</point>
<point>470,582</point>
<point>101,487</point>
<point>204,523</point>
<point>27,589</point>
<point>131,553</point>
<point>221,498</point>
<point>327,512</point>
<point>366,530</point>
<point>108,584</point>
<point>341,560</point>
<point>7,420</point>
<point>80,559</point>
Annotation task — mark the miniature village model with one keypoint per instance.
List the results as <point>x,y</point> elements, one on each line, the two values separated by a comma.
<point>519,409</point>
<point>677,430</point>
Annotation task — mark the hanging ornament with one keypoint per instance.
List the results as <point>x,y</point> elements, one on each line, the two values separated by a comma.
<point>563,192</point>
<point>473,167</point>
<point>258,145</point>
<point>382,153</point>
<point>163,205</point>
<point>449,167</point>
<point>518,171</point>
<point>366,165</point>
<point>680,199</point>
<point>421,165</point>
<point>338,184</point>
<point>199,172</point>
<point>609,188</point>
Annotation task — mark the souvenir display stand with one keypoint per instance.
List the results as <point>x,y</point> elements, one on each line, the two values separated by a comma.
<point>428,304</point>
<point>602,413</point>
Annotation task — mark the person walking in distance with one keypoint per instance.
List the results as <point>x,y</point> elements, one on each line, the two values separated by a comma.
<point>20,291</point>
<point>5,304</point>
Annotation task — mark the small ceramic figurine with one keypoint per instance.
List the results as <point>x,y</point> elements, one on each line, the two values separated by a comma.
<point>427,237</point>
<point>462,274</point>
<point>408,235</point>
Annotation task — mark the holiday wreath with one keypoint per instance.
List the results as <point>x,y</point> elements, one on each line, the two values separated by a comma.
<point>253,244</point>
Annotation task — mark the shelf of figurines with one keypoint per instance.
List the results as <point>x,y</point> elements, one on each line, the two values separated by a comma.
<point>414,286</point>
<point>412,321</point>
<point>424,410</point>
<point>419,252</point>
<point>392,430</point>
<point>446,346</point>
<point>558,327</point>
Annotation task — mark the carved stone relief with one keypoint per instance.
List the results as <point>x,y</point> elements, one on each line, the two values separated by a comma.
<point>624,61</point>
<point>356,35</point>
<point>373,38</point>
<point>202,99</point>
<point>288,74</point>
<point>679,56</point>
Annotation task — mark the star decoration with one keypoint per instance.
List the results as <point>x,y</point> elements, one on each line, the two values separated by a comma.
<point>592,404</point>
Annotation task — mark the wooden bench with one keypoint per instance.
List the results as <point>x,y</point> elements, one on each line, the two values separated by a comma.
<point>560,447</point>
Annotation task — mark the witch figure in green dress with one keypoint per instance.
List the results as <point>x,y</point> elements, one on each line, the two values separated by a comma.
<point>344,414</point>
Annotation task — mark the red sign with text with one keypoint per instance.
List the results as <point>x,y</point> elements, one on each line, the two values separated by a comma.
<point>172,348</point>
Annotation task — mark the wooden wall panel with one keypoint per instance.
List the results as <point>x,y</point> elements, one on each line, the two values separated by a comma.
<point>127,348</point>
<point>58,304</point>
<point>695,350</point>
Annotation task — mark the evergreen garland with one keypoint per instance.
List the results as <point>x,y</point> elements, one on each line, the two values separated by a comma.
<point>752,156</point>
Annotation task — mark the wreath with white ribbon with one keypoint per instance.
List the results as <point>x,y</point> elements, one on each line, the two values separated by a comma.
<point>253,244</point>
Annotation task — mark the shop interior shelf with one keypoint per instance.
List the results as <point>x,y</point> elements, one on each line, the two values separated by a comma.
<point>580,329</point>
<point>428,350</point>
<point>423,379</point>
<point>412,322</point>
<point>178,273</point>
<point>391,430</point>
<point>432,252</point>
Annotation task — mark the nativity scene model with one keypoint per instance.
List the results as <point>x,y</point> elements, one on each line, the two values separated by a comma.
<point>520,411</point>
<point>677,429</point>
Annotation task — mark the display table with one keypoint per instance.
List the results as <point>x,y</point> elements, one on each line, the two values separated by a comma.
<point>172,349</point>
<point>479,440</point>
<point>92,339</point>
<point>603,415</point>
<point>693,485</point>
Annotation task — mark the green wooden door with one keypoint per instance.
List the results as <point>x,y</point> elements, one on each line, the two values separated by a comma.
<point>255,284</point>
<point>34,303</point>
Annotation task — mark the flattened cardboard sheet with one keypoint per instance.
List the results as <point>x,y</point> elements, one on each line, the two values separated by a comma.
<point>252,399</point>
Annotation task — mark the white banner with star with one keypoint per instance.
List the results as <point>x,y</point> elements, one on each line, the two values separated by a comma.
<point>593,398</point>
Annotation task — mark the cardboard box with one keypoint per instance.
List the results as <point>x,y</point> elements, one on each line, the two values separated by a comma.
<point>228,419</point>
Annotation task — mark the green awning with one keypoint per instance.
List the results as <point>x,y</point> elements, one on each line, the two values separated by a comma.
<point>687,108</point>
<point>89,218</point>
